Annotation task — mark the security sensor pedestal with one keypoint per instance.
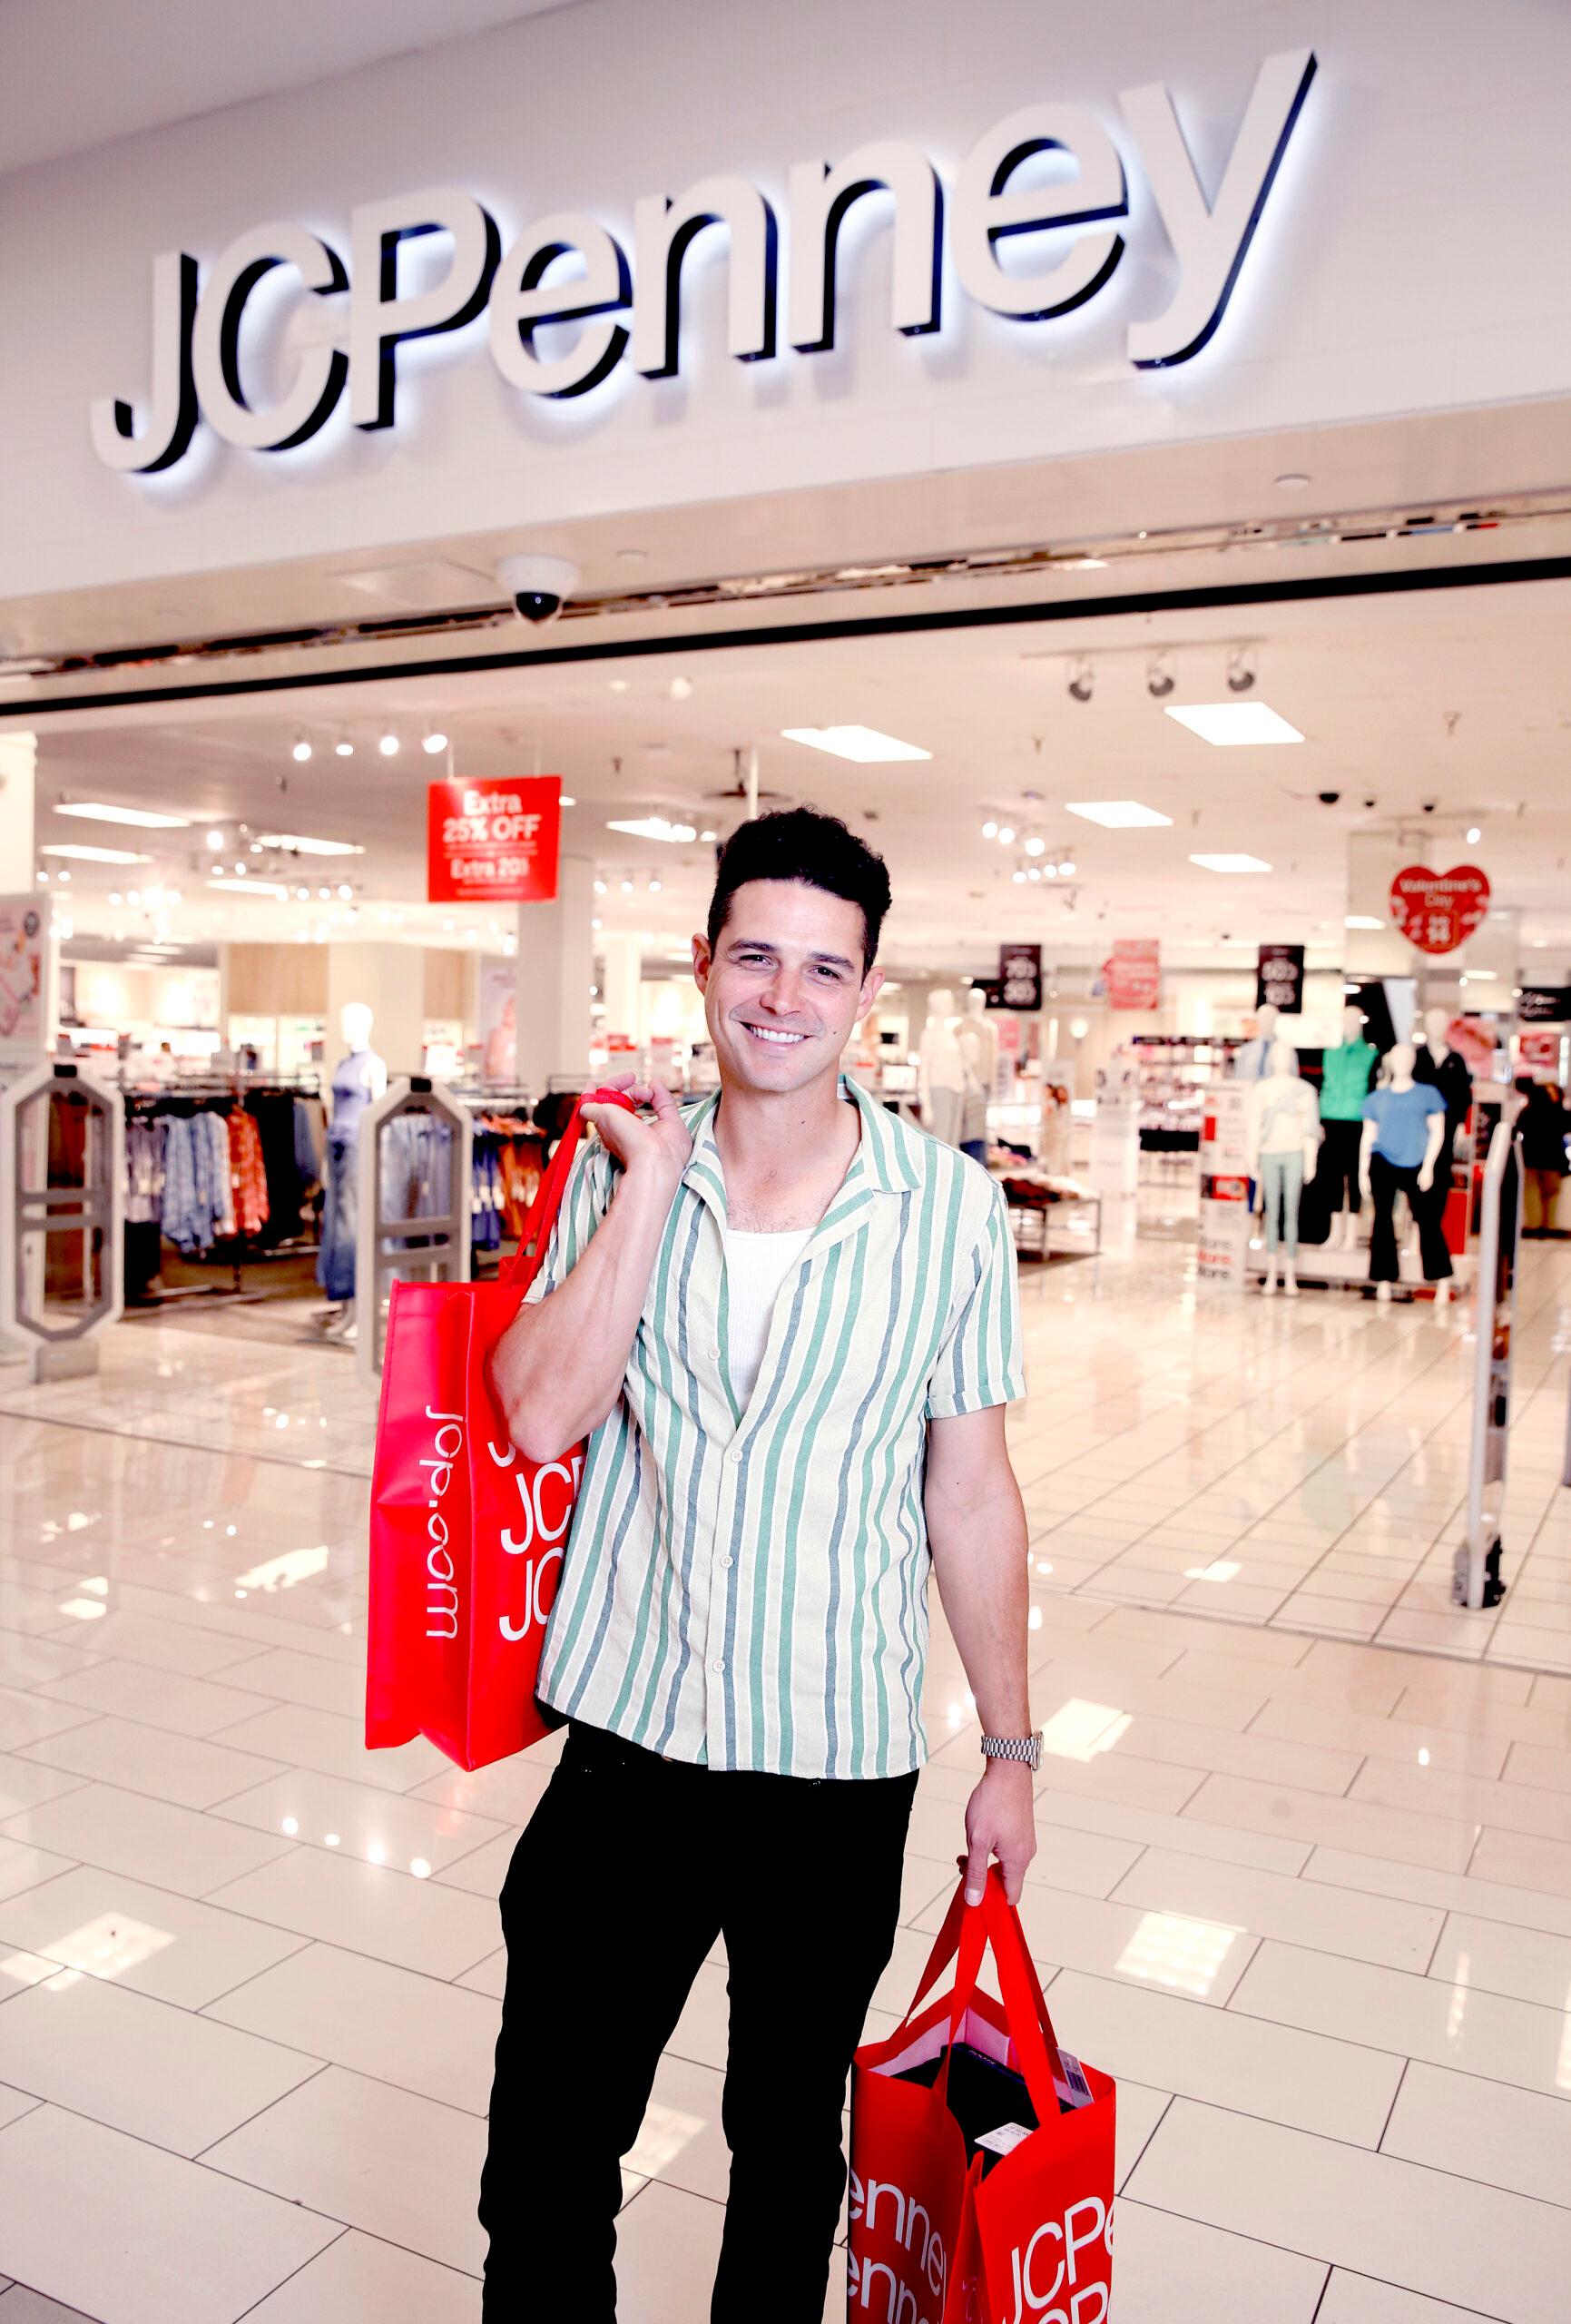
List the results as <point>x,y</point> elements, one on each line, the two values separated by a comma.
<point>61,1210</point>
<point>414,1219</point>
<point>1475,1577</point>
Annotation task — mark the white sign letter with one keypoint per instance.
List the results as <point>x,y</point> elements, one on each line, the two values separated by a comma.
<point>984,213</point>
<point>380,317</point>
<point>820,199</point>
<point>171,422</point>
<point>1210,243</point>
<point>522,300</point>
<point>215,346</point>
<point>663,232</point>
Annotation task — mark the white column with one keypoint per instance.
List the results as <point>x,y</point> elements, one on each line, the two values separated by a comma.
<point>555,964</point>
<point>622,987</point>
<point>18,784</point>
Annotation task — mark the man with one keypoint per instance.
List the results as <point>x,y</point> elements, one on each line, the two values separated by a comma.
<point>789,1326</point>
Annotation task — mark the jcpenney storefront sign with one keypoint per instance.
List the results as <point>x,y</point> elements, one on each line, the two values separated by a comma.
<point>569,270</point>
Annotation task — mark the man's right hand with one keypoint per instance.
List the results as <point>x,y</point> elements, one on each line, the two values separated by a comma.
<point>661,1148</point>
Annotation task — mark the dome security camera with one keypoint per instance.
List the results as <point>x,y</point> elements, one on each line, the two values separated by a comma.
<point>1081,684</point>
<point>1428,805</point>
<point>1327,798</point>
<point>538,585</point>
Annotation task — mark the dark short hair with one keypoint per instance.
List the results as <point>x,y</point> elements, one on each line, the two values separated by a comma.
<point>819,852</point>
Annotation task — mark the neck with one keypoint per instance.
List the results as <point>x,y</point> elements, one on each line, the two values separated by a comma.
<point>777,1134</point>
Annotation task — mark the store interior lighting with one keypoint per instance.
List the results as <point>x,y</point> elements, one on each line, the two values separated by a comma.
<point>85,854</point>
<point>302,751</point>
<point>863,745</point>
<point>139,819</point>
<point>1226,724</point>
<point>389,746</point>
<point>299,844</point>
<point>655,827</point>
<point>1362,920</point>
<point>215,841</point>
<point>1238,863</point>
<point>1082,681</point>
<point>1117,814</point>
<point>345,750</point>
<point>1474,835</point>
<point>433,744</point>
<point>250,887</point>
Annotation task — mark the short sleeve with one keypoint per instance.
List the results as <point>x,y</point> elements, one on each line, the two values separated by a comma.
<point>1372,1107</point>
<point>979,1363</point>
<point>584,1203</point>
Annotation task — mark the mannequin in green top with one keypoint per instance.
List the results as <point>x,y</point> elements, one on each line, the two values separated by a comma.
<point>1346,1075</point>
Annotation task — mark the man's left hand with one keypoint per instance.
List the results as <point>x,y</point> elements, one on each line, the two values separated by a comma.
<point>1000,1821</point>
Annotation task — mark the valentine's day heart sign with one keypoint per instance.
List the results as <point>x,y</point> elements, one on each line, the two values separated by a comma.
<point>1437,910</point>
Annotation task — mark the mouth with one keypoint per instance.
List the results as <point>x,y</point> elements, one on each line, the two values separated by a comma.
<point>769,1039</point>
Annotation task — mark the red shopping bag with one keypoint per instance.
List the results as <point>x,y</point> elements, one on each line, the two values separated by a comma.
<point>466,1535</point>
<point>981,2155</point>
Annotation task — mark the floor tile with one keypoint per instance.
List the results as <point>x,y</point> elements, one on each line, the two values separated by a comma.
<point>1357,1825</point>
<point>358,1819</point>
<point>290,1676</point>
<point>1523,1860</point>
<point>120,1831</point>
<point>164,1646</point>
<point>368,1908</point>
<point>484,1869</point>
<point>1373,2214</point>
<point>157,1698</point>
<point>509,1792</point>
<point>402,2168</point>
<point>26,1781</point>
<point>1452,2024</point>
<point>393,2024</point>
<point>1312,2082</point>
<point>1304,1911</point>
<point>24,2306</point>
<point>27,1718</point>
<point>141,2065</point>
<point>332,1746</point>
<point>361,2280</point>
<point>1302,1765</point>
<point>1360,2299</point>
<point>178,1767</point>
<point>1170,2271</point>
<point>148,1940</point>
<point>1494,1957</point>
<point>170,2239</point>
<point>1528,1763</point>
<point>1438,1791</point>
<point>1386,1738</point>
<point>23,1867</point>
<point>1507,2138</point>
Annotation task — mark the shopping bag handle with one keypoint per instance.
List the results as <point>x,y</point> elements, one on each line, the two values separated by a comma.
<point>967,1931</point>
<point>525,1265</point>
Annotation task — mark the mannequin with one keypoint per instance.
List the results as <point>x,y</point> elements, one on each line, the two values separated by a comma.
<point>1253,1062</point>
<point>1438,1063</point>
<point>978,1039</point>
<point>1284,1133</point>
<point>1404,1135</point>
<point>941,1069</point>
<point>1345,1084</point>
<point>361,1079</point>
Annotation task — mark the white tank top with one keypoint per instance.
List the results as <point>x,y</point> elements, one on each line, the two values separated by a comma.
<point>755,1267</point>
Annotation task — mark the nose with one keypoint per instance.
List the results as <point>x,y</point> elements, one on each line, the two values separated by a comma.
<point>784,996</point>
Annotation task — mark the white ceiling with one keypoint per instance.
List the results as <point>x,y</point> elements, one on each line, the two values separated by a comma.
<point>74,73</point>
<point>1369,683</point>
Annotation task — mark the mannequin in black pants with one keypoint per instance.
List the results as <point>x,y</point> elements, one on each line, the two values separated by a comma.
<point>1404,1138</point>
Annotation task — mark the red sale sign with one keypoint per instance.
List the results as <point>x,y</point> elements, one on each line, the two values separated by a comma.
<point>493,843</point>
<point>1437,910</point>
<point>1134,973</point>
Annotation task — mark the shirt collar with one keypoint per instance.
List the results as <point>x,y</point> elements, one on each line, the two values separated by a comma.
<point>885,1160</point>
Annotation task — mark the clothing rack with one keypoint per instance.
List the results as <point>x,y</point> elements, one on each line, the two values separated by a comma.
<point>183,1096</point>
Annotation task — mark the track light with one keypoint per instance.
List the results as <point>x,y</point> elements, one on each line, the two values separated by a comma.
<point>1159,678</point>
<point>301,752</point>
<point>1049,870</point>
<point>1066,868</point>
<point>389,746</point>
<point>989,829</point>
<point>215,841</point>
<point>1006,834</point>
<point>345,750</point>
<point>433,744</point>
<point>1081,684</point>
<point>1036,846</point>
<point>1240,672</point>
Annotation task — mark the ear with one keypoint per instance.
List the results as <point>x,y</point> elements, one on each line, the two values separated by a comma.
<point>872,985</point>
<point>702,961</point>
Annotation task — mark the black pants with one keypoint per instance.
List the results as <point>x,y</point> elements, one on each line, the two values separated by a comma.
<point>630,1867</point>
<point>1386,1180</point>
<point>1338,1166</point>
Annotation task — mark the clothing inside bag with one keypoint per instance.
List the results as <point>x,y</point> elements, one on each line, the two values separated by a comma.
<point>983,2096</point>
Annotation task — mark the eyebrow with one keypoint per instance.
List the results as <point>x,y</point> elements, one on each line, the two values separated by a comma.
<point>767,944</point>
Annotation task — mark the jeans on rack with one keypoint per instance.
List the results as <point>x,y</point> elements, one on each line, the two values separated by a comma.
<point>1387,1179</point>
<point>1281,1182</point>
<point>632,1866</point>
<point>336,1259</point>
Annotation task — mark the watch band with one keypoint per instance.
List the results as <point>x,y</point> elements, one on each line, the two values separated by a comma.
<point>1027,1748</point>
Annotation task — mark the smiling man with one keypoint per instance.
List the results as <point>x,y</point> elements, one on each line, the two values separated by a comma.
<point>788,1325</point>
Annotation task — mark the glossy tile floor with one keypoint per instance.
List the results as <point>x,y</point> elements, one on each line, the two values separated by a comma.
<point>1308,1898</point>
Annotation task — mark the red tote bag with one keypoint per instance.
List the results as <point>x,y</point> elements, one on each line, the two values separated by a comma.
<point>946,2231</point>
<point>466,1535</point>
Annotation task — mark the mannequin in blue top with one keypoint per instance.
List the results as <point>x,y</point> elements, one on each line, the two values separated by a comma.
<point>1404,1131</point>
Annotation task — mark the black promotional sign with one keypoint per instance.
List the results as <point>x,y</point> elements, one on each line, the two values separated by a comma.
<point>1279,979</point>
<point>1544,1004</point>
<point>1019,977</point>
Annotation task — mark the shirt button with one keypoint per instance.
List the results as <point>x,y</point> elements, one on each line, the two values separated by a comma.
<point>714,1352</point>
<point>717,1666</point>
<point>736,1451</point>
<point>728,1561</point>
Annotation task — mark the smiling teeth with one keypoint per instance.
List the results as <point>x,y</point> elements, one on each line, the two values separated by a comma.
<point>785,1038</point>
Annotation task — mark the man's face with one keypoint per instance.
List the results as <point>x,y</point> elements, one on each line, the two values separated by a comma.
<point>784,989</point>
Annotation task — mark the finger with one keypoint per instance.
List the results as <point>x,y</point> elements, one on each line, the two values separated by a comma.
<point>977,1871</point>
<point>663,1103</point>
<point>1014,1878</point>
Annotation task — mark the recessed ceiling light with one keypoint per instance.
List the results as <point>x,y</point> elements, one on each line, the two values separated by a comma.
<point>1361,919</point>
<point>618,685</point>
<point>344,750</point>
<point>215,841</point>
<point>138,819</point>
<point>566,801</point>
<point>389,746</point>
<point>865,744</point>
<point>1230,862</point>
<point>655,827</point>
<point>710,836</point>
<point>297,844</point>
<point>1117,814</point>
<point>1085,564</point>
<point>1474,835</point>
<point>96,854</point>
<point>1232,721</point>
<point>433,744</point>
<point>301,752</point>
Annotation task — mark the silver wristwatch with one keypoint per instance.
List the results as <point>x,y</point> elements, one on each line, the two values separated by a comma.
<point>1027,1749</point>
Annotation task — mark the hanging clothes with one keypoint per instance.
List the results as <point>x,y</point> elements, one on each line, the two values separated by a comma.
<point>247,1177</point>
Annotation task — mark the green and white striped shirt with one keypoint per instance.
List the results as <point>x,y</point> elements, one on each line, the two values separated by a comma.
<point>747,1586</point>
